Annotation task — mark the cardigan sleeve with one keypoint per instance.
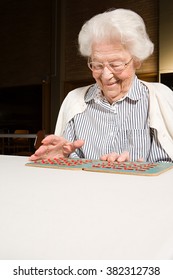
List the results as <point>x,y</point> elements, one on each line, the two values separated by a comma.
<point>73,104</point>
<point>161,114</point>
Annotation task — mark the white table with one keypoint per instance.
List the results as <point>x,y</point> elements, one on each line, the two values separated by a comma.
<point>58,214</point>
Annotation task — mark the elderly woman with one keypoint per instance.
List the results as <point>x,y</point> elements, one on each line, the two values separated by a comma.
<point>119,118</point>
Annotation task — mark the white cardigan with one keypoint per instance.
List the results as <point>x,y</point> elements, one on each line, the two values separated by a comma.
<point>160,112</point>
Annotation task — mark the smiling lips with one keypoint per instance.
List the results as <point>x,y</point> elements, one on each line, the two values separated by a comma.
<point>112,83</point>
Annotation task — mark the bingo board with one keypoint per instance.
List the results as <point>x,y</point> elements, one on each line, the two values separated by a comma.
<point>133,168</point>
<point>62,163</point>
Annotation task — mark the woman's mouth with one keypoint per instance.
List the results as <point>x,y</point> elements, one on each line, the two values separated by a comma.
<point>111,84</point>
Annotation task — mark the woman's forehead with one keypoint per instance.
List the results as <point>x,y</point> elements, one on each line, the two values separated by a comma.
<point>109,50</point>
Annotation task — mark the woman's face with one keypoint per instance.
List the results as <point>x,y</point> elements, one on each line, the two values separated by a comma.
<point>113,81</point>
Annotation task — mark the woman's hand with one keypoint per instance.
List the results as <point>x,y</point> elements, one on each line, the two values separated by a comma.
<point>54,147</point>
<point>125,156</point>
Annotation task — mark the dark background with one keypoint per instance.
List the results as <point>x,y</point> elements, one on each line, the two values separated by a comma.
<point>39,59</point>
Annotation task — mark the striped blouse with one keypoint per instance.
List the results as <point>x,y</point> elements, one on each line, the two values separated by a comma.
<point>121,126</point>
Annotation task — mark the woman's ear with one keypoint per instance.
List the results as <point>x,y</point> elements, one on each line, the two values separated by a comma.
<point>137,64</point>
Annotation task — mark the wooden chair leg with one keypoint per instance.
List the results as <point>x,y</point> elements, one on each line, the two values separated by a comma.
<point>40,136</point>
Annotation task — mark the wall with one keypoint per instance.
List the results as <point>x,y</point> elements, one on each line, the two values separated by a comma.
<point>25,41</point>
<point>29,52</point>
<point>39,43</point>
<point>166,37</point>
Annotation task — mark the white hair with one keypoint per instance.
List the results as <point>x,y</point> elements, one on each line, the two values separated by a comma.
<point>118,24</point>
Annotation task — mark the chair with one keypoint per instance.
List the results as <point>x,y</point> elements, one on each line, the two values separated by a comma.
<point>21,144</point>
<point>40,136</point>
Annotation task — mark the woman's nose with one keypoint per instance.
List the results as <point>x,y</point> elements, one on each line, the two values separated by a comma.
<point>107,73</point>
